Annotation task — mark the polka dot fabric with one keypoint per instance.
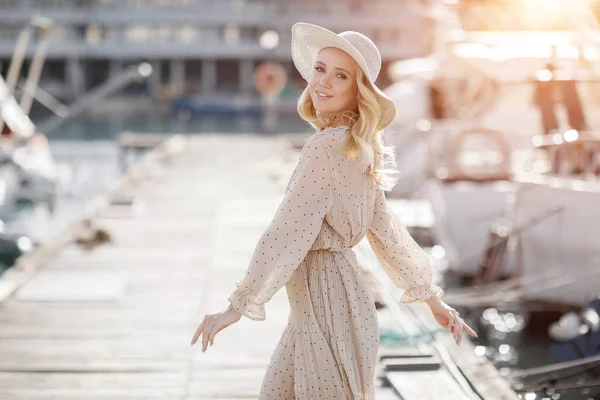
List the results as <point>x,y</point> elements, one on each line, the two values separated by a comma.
<point>329,347</point>
<point>400,256</point>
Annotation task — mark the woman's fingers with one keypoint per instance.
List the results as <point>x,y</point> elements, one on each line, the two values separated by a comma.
<point>213,333</point>
<point>207,330</point>
<point>463,327</point>
<point>217,330</point>
<point>456,321</point>
<point>199,331</point>
<point>469,330</point>
<point>206,334</point>
<point>460,331</point>
<point>457,326</point>
<point>451,322</point>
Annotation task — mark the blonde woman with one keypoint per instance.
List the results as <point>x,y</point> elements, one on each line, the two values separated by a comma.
<point>334,198</point>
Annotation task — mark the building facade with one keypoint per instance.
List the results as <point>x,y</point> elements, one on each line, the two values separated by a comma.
<point>195,46</point>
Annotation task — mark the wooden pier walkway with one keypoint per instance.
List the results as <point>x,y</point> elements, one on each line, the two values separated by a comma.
<point>115,321</point>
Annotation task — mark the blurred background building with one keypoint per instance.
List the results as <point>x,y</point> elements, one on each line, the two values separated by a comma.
<point>196,46</point>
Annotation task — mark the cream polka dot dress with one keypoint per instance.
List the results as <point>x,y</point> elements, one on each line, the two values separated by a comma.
<point>329,347</point>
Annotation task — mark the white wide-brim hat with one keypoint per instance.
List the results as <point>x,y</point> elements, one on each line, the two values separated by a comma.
<point>308,40</point>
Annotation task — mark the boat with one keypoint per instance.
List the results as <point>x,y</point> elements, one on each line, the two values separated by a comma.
<point>27,151</point>
<point>188,105</point>
<point>470,139</point>
<point>222,104</point>
<point>28,169</point>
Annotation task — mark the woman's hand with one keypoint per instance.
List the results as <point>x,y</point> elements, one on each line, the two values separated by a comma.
<point>213,324</point>
<point>449,318</point>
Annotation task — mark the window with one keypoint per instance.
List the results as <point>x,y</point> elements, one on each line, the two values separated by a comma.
<point>231,34</point>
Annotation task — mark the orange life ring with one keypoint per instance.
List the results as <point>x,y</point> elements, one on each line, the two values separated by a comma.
<point>269,78</point>
<point>457,171</point>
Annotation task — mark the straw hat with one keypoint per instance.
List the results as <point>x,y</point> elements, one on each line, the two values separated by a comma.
<point>308,40</point>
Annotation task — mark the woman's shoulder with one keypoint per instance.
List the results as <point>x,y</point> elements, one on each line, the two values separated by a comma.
<point>330,134</point>
<point>329,141</point>
<point>325,140</point>
<point>341,129</point>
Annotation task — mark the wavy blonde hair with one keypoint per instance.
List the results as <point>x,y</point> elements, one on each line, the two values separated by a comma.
<point>365,139</point>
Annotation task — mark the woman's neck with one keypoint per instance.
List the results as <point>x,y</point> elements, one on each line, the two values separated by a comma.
<point>345,118</point>
<point>337,124</point>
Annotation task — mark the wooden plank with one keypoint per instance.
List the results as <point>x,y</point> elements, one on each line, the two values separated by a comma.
<point>412,364</point>
<point>426,385</point>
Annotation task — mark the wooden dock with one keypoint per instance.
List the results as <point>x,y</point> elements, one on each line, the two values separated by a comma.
<point>115,321</point>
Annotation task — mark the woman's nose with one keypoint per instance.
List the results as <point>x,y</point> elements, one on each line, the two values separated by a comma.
<point>325,82</point>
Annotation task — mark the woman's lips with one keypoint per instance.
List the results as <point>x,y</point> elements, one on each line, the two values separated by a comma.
<point>322,98</point>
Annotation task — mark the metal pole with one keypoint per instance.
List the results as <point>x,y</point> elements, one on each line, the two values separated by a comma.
<point>16,63</point>
<point>143,71</point>
<point>36,69</point>
<point>14,69</point>
<point>47,100</point>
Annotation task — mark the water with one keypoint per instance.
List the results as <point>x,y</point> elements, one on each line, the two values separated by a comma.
<point>515,338</point>
<point>92,129</point>
<point>94,169</point>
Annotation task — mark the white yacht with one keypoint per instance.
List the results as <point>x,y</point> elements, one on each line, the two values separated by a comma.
<point>504,205</point>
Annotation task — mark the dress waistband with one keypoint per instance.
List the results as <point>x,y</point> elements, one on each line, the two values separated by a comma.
<point>341,250</point>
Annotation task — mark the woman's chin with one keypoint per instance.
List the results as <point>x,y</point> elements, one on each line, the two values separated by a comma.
<point>326,113</point>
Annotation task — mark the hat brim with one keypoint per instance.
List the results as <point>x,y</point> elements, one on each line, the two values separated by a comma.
<point>308,40</point>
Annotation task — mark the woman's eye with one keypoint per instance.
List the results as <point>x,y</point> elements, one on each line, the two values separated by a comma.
<point>342,76</point>
<point>319,69</point>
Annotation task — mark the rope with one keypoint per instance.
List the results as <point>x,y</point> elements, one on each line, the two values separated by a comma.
<point>551,382</point>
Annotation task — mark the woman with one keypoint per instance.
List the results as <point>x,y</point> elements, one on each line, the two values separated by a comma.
<point>334,198</point>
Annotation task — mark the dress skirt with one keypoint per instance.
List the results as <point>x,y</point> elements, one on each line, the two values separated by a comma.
<point>329,347</point>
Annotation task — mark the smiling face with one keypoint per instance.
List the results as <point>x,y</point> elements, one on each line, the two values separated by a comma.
<point>333,87</point>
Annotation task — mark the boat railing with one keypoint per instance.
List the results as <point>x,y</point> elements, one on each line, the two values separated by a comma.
<point>571,152</point>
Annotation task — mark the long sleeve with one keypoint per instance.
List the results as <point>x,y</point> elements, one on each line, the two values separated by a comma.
<point>402,259</point>
<point>290,234</point>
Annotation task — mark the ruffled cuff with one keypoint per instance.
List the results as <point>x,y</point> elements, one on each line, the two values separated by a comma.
<point>419,294</point>
<point>247,305</point>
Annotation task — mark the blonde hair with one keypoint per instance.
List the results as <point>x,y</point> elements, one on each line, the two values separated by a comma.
<point>365,139</point>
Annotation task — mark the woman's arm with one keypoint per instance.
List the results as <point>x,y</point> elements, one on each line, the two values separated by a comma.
<point>402,259</point>
<point>291,233</point>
